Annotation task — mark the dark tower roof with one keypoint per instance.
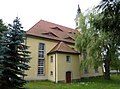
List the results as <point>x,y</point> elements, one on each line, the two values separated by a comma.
<point>78,10</point>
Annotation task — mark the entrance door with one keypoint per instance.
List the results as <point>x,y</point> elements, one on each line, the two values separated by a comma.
<point>68,77</point>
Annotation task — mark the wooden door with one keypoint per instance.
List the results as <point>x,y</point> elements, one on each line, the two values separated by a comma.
<point>68,77</point>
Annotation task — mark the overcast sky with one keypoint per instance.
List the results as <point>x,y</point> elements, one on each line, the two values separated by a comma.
<point>61,12</point>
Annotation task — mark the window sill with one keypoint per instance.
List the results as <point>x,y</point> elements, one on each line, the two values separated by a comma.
<point>41,75</point>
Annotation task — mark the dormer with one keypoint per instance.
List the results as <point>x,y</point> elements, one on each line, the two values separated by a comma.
<point>57,28</point>
<point>69,38</point>
<point>49,34</point>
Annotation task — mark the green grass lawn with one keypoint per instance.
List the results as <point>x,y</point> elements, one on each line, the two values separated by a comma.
<point>88,83</point>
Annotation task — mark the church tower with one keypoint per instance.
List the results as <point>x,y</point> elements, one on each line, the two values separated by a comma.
<point>78,17</point>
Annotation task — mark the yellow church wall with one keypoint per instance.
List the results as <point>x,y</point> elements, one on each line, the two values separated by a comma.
<point>51,68</point>
<point>91,70</point>
<point>63,66</point>
<point>33,42</point>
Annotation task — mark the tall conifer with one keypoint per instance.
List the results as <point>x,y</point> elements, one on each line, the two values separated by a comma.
<point>13,57</point>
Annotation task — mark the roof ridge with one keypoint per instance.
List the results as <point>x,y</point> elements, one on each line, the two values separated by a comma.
<point>59,45</point>
<point>56,46</point>
<point>57,24</point>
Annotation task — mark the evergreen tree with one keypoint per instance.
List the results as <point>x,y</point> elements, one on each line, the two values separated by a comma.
<point>13,57</point>
<point>3,27</point>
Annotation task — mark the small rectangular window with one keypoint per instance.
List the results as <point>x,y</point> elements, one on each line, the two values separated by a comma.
<point>51,59</point>
<point>68,59</point>
<point>51,73</point>
<point>41,46</point>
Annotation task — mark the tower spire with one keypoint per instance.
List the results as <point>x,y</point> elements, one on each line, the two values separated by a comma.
<point>78,10</point>
<point>78,17</point>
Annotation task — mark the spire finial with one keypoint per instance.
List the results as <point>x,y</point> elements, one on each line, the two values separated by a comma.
<point>78,10</point>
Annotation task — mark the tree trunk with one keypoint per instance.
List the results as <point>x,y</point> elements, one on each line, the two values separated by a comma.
<point>107,59</point>
<point>107,69</point>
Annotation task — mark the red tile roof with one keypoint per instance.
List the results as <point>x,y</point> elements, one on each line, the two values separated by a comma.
<point>52,31</point>
<point>64,48</point>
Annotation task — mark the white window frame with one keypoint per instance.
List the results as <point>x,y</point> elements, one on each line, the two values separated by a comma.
<point>41,66</point>
<point>68,59</point>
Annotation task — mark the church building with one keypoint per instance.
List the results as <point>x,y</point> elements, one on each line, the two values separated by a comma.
<point>53,53</point>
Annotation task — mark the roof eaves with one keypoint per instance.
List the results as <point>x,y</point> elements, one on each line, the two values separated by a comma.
<point>77,53</point>
<point>70,42</point>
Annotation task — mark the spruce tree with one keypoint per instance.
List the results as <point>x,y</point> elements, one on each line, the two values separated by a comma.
<point>13,57</point>
<point>3,28</point>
